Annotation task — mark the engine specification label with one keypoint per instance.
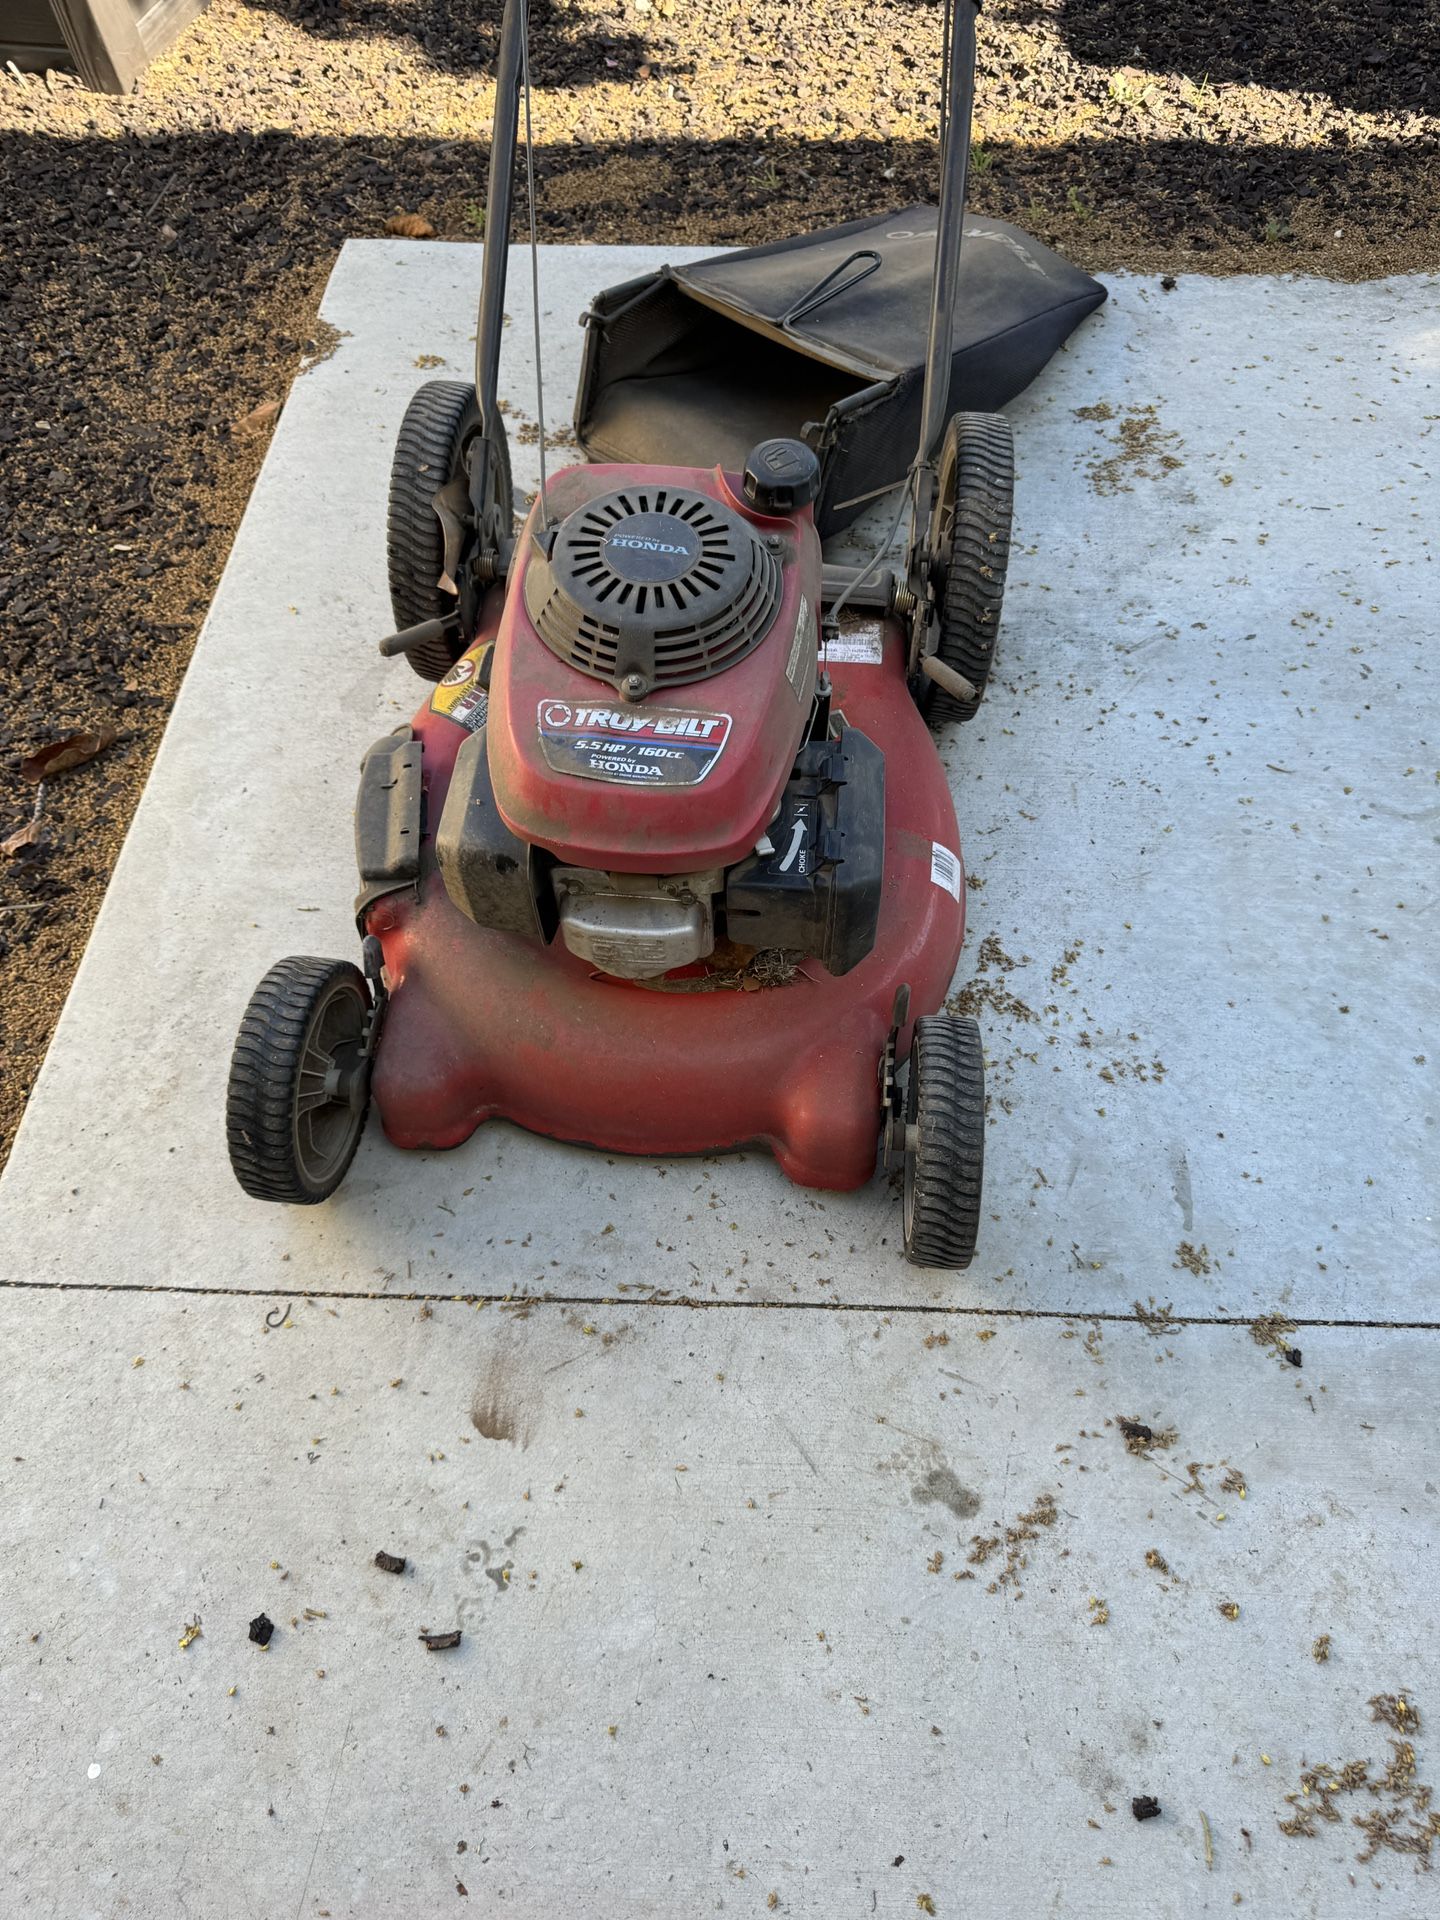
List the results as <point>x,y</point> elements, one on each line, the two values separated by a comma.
<point>856,646</point>
<point>633,746</point>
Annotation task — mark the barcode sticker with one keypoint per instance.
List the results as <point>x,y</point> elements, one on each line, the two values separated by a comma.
<point>945,869</point>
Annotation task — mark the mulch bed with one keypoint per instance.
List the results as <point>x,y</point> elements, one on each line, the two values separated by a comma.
<point>166,255</point>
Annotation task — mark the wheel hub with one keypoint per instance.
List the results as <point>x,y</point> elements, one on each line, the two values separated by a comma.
<point>347,1081</point>
<point>332,1090</point>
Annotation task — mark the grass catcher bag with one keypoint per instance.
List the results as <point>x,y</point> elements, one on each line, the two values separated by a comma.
<point>822,337</point>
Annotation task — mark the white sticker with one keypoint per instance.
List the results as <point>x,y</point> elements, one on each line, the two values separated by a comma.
<point>860,647</point>
<point>945,869</point>
<point>797,646</point>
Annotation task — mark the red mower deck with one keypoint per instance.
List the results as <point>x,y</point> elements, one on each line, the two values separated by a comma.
<point>477,1030</point>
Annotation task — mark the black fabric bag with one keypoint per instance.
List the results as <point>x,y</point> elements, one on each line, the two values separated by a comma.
<point>692,365</point>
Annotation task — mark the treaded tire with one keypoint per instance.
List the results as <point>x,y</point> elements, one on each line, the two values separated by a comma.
<point>439,424</point>
<point>944,1172</point>
<point>975,503</point>
<point>273,1149</point>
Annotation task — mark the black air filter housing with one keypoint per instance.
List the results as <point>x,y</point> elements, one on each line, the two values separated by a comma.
<point>652,587</point>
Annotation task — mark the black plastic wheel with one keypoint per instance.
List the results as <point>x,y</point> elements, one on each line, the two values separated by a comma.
<point>970,542</point>
<point>439,425</point>
<point>945,1142</point>
<point>299,1090</point>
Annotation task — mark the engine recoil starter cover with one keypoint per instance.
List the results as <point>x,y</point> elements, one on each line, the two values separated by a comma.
<point>651,587</point>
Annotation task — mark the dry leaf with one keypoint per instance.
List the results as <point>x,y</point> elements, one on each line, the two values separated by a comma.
<point>259,418</point>
<point>410,226</point>
<point>73,751</point>
<point>28,836</point>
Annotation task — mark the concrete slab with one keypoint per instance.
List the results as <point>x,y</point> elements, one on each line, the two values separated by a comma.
<point>1196,810</point>
<point>726,1636</point>
<point>733,1625</point>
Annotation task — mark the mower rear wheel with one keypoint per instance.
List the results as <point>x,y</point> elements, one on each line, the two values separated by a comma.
<point>440,424</point>
<point>945,1142</point>
<point>970,547</point>
<point>299,1087</point>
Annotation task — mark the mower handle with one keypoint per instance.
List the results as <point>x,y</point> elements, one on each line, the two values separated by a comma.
<point>504,138</point>
<point>959,100</point>
<point>958,109</point>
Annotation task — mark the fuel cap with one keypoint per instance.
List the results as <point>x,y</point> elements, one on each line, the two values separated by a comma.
<point>781,476</point>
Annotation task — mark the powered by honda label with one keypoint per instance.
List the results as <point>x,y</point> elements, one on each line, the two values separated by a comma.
<point>636,747</point>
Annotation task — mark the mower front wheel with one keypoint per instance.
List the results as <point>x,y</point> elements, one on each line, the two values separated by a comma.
<point>944,1142</point>
<point>299,1087</point>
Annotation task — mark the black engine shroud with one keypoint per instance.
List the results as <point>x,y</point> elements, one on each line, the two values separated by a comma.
<point>818,892</point>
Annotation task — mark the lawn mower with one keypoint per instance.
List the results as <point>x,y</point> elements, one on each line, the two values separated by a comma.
<point>667,861</point>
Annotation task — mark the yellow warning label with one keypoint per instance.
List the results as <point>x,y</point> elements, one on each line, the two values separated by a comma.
<point>460,696</point>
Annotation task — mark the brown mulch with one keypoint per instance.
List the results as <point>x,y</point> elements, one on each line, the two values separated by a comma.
<point>164,256</point>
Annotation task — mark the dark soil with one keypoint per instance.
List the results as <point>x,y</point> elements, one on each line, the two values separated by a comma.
<point>164,256</point>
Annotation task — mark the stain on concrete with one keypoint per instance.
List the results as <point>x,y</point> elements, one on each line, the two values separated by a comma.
<point>492,1412</point>
<point>1184,1190</point>
<point>490,1419</point>
<point>1093,1771</point>
<point>482,1554</point>
<point>941,1485</point>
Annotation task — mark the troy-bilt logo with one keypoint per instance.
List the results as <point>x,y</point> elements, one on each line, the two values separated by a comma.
<point>557,716</point>
<point>647,746</point>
